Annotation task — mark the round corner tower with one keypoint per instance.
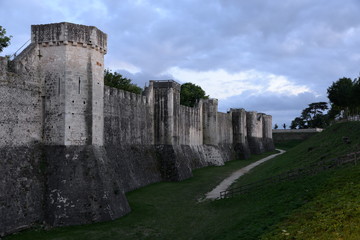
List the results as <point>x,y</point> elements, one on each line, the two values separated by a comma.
<point>71,61</point>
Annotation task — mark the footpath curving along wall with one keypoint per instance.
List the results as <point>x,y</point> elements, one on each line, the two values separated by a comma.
<point>70,147</point>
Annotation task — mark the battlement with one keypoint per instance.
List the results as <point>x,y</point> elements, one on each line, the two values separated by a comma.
<point>69,33</point>
<point>240,110</point>
<point>165,84</point>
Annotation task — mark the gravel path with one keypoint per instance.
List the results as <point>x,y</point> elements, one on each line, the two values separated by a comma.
<point>215,193</point>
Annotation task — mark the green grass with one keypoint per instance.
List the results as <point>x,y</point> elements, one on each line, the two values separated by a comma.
<point>323,206</point>
<point>167,210</point>
<point>287,145</point>
<point>333,213</point>
<point>323,146</point>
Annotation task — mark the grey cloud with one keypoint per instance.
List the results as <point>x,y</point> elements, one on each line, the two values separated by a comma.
<point>306,41</point>
<point>283,108</point>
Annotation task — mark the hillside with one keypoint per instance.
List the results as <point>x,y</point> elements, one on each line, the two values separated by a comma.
<point>325,206</point>
<point>322,206</point>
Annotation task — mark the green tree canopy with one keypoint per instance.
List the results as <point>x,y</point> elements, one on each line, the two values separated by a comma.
<point>298,122</point>
<point>356,92</point>
<point>341,92</point>
<point>344,97</point>
<point>4,40</point>
<point>116,80</point>
<point>190,94</point>
<point>312,117</point>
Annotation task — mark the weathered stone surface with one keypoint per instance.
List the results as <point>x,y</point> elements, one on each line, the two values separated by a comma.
<point>68,32</point>
<point>128,118</point>
<point>210,122</point>
<point>21,110</point>
<point>135,166</point>
<point>254,132</point>
<point>21,187</point>
<point>240,142</point>
<point>267,133</point>
<point>82,186</point>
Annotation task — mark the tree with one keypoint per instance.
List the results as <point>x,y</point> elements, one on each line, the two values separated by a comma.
<point>355,96</point>
<point>191,94</point>
<point>341,94</point>
<point>4,40</point>
<point>312,117</point>
<point>116,80</point>
<point>297,123</point>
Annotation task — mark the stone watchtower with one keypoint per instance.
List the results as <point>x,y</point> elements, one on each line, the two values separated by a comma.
<point>71,61</point>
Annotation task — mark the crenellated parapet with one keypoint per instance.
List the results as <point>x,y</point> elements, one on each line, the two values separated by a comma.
<point>65,33</point>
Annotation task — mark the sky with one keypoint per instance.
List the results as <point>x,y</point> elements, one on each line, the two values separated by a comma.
<point>274,57</point>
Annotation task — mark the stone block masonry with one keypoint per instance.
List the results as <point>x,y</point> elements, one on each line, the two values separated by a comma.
<point>70,147</point>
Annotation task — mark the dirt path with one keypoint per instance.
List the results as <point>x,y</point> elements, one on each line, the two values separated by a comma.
<point>215,193</point>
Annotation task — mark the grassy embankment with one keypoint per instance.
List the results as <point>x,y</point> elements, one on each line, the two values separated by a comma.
<point>324,206</point>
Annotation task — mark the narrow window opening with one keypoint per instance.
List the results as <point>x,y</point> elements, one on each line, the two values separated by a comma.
<point>69,127</point>
<point>59,87</point>
<point>79,84</point>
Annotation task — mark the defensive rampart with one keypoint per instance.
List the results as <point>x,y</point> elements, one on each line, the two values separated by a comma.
<point>281,135</point>
<point>71,148</point>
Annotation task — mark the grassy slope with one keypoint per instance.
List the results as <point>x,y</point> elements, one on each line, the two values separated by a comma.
<point>325,206</point>
<point>334,210</point>
<point>323,146</point>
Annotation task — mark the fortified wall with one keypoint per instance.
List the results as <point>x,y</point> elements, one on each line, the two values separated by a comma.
<point>282,135</point>
<point>70,147</point>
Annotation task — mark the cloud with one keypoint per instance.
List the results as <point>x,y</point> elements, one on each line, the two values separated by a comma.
<point>123,66</point>
<point>222,84</point>
<point>283,108</point>
<point>233,49</point>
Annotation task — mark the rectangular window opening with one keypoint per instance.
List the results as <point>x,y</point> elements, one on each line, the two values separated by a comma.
<point>59,87</point>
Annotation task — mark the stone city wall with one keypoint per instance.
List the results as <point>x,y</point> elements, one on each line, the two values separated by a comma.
<point>21,165</point>
<point>281,135</point>
<point>70,148</point>
<point>128,118</point>
<point>190,125</point>
<point>224,128</point>
<point>21,108</point>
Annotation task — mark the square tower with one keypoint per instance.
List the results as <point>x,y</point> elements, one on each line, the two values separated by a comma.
<point>166,111</point>
<point>71,61</point>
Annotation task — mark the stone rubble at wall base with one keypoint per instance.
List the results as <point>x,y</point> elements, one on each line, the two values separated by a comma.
<point>71,148</point>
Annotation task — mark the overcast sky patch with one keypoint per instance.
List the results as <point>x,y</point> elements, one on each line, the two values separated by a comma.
<point>245,53</point>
